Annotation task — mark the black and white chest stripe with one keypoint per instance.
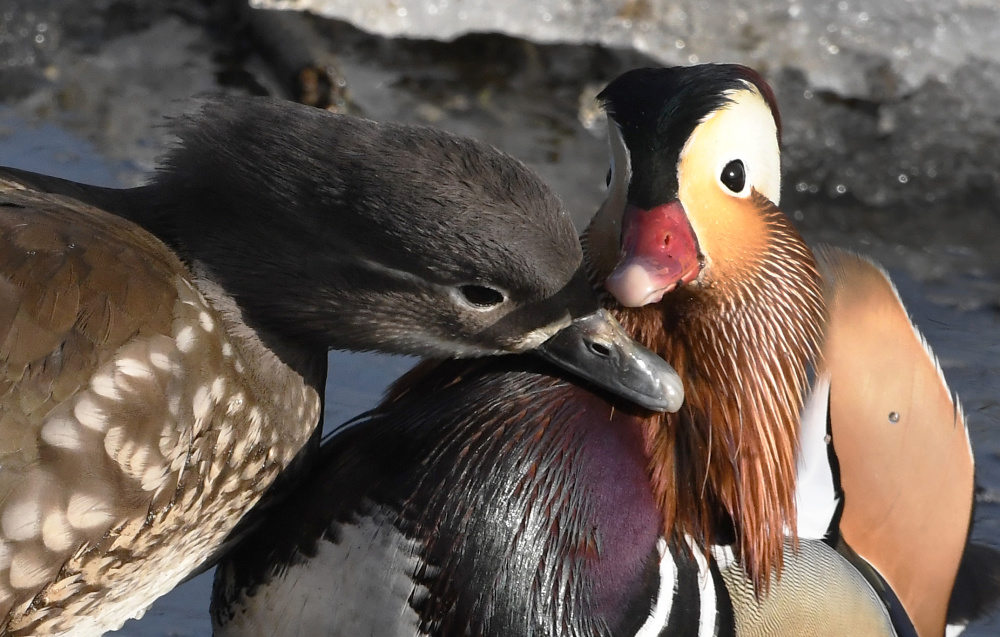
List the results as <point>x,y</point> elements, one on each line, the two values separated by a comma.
<point>692,599</point>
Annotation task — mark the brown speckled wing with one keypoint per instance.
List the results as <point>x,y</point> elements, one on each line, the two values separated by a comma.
<point>124,417</point>
<point>86,299</point>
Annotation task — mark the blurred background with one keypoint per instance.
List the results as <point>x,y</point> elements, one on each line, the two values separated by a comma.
<point>891,142</point>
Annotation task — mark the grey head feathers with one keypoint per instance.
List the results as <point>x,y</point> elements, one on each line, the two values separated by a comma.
<point>352,205</point>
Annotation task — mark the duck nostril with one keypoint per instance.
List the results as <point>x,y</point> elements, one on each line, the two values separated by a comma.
<point>666,241</point>
<point>600,349</point>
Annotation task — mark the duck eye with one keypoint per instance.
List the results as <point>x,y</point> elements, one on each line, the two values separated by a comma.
<point>734,176</point>
<point>480,296</point>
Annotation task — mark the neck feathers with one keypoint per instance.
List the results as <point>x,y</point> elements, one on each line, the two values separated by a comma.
<point>743,347</point>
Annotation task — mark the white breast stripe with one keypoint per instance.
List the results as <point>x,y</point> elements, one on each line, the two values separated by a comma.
<point>723,556</point>
<point>706,593</point>
<point>815,498</point>
<point>660,614</point>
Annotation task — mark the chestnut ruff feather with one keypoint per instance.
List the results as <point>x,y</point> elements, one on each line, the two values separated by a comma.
<point>743,347</point>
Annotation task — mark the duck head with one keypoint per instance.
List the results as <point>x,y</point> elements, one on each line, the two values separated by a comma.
<point>386,237</point>
<point>713,277</point>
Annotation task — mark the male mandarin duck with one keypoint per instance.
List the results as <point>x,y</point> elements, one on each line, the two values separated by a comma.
<point>511,504</point>
<point>483,498</point>
<point>700,226</point>
<point>163,350</point>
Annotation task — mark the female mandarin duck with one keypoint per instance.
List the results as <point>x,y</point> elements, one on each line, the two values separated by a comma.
<point>515,504</point>
<point>163,349</point>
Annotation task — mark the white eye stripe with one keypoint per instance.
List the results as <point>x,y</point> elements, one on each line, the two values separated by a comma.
<point>604,233</point>
<point>743,130</point>
<point>621,162</point>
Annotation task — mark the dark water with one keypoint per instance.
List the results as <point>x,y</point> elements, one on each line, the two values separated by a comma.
<point>944,259</point>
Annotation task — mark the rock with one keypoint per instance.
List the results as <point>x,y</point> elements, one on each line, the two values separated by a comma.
<point>879,96</point>
<point>867,50</point>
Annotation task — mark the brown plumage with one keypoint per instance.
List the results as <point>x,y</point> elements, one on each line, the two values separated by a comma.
<point>101,368</point>
<point>906,466</point>
<point>742,347</point>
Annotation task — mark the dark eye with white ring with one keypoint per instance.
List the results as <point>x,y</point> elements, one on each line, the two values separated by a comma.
<point>734,176</point>
<point>480,296</point>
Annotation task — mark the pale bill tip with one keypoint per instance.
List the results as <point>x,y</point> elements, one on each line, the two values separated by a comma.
<point>632,286</point>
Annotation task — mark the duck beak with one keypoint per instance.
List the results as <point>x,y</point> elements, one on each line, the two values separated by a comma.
<point>596,348</point>
<point>659,254</point>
